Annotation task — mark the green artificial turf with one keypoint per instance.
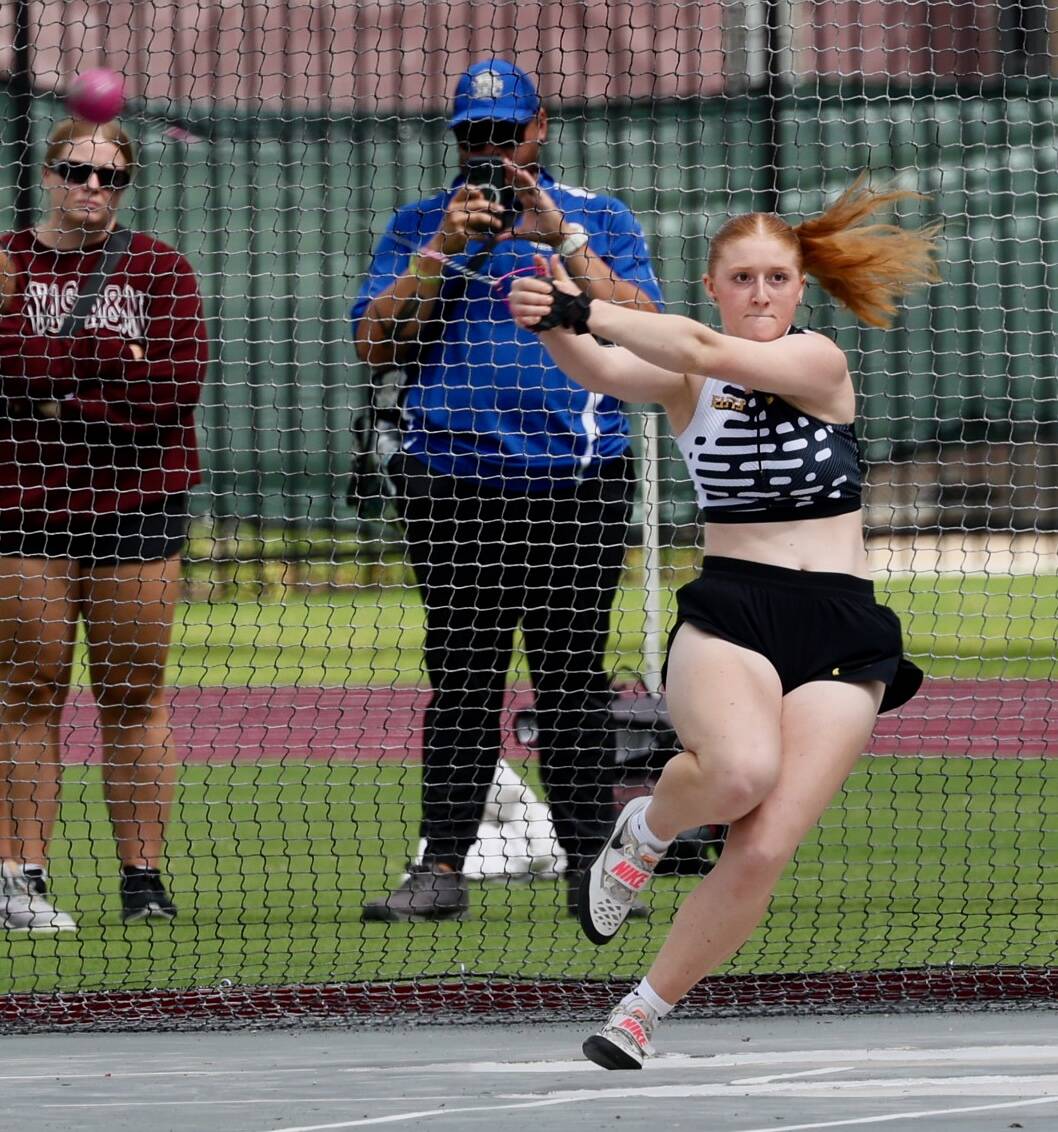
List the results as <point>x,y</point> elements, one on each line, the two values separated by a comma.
<point>919,861</point>
<point>956,625</point>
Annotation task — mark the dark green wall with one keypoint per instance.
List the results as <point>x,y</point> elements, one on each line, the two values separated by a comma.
<point>279,215</point>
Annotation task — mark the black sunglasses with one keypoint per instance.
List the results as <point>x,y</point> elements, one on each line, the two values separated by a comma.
<point>488,131</point>
<point>80,173</point>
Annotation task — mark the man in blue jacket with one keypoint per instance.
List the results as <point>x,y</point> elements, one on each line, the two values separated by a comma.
<point>515,483</point>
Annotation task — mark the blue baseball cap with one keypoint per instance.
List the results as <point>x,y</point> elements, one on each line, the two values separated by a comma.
<point>494,89</point>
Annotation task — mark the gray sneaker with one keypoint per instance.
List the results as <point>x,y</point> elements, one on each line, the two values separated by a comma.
<point>24,905</point>
<point>624,1042</point>
<point>429,893</point>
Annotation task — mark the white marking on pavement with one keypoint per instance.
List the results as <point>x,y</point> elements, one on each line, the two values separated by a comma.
<point>680,1061</point>
<point>778,1086</point>
<point>245,1101</point>
<point>397,1117</point>
<point>885,1118</point>
<point>899,1054</point>
<point>876,1087</point>
<point>889,1118</point>
<point>273,1071</point>
<point>787,1076</point>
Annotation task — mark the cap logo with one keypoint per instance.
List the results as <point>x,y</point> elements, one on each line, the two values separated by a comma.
<point>487,84</point>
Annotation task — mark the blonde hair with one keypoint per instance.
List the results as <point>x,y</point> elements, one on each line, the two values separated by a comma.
<point>71,130</point>
<point>865,266</point>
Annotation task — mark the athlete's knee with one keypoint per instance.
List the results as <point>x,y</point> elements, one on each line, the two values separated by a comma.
<point>735,787</point>
<point>722,790</point>
<point>737,796</point>
<point>139,693</point>
<point>36,687</point>
<point>759,860</point>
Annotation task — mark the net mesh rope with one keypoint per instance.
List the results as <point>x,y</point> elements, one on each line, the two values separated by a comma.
<point>275,142</point>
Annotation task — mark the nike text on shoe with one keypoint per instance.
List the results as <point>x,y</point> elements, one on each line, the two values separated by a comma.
<point>429,893</point>
<point>143,896</point>
<point>624,1042</point>
<point>24,905</point>
<point>608,889</point>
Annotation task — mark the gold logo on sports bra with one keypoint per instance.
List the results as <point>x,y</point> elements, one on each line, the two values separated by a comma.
<point>726,401</point>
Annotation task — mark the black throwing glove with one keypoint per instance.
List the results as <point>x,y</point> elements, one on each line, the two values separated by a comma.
<point>569,311</point>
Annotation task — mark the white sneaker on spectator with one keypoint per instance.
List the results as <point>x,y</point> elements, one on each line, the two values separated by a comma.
<point>624,1042</point>
<point>24,905</point>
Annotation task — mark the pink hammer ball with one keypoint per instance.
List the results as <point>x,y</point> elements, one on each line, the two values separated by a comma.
<point>96,95</point>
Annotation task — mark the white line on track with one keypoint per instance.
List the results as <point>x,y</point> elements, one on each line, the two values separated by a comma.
<point>1000,1085</point>
<point>885,1118</point>
<point>212,1103</point>
<point>789,1076</point>
<point>1025,1090</point>
<point>889,1118</point>
<point>966,1055</point>
<point>677,1061</point>
<point>1044,1086</point>
<point>135,1074</point>
<point>397,1117</point>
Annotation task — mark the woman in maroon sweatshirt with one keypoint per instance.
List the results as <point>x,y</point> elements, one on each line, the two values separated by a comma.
<point>97,455</point>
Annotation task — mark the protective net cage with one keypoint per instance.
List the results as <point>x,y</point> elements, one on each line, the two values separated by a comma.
<point>273,774</point>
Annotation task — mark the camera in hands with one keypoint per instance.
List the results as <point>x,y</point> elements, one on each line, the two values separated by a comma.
<point>489,176</point>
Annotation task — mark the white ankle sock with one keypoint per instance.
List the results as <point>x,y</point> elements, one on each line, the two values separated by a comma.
<point>645,835</point>
<point>647,994</point>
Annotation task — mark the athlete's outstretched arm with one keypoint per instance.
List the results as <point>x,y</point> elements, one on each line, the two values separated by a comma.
<point>802,365</point>
<point>654,353</point>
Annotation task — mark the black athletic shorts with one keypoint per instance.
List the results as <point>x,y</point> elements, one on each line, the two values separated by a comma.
<point>157,530</point>
<point>810,625</point>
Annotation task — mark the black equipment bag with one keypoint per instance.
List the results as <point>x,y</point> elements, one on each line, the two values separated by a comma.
<point>377,428</point>
<point>376,436</point>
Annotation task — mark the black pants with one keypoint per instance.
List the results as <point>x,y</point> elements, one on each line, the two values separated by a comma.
<point>485,564</point>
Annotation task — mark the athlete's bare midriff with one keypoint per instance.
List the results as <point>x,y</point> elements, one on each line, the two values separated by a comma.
<point>833,544</point>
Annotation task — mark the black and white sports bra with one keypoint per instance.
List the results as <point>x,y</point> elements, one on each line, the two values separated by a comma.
<point>754,458</point>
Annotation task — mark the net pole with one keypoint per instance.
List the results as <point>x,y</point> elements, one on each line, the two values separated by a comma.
<point>651,553</point>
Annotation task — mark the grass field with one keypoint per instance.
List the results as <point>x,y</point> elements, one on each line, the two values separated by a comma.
<point>956,625</point>
<point>918,862</point>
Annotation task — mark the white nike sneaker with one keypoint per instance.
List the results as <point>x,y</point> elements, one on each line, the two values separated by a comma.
<point>624,1042</point>
<point>608,889</point>
<point>24,906</point>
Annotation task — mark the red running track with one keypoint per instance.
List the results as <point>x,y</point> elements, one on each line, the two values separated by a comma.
<point>980,718</point>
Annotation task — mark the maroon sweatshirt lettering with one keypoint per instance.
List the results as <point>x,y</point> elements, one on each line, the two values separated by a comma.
<point>125,432</point>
